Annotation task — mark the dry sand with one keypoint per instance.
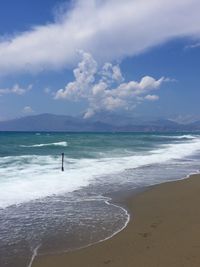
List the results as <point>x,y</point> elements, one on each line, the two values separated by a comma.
<point>164,231</point>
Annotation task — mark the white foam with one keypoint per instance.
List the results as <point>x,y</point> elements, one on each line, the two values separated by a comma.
<point>188,136</point>
<point>26,178</point>
<point>34,255</point>
<point>48,144</point>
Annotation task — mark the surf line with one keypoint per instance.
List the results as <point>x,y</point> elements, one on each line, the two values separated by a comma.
<point>127,214</point>
<point>108,201</point>
<point>34,255</point>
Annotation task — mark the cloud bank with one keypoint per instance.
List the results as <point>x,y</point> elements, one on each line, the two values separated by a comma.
<point>105,88</point>
<point>108,29</point>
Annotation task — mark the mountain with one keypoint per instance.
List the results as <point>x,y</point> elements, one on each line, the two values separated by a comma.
<point>121,120</point>
<point>195,125</point>
<point>51,122</point>
<point>63,123</point>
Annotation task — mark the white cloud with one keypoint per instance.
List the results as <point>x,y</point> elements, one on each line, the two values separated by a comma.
<point>84,76</point>
<point>192,46</point>
<point>151,97</point>
<point>16,89</point>
<point>108,29</point>
<point>104,90</point>
<point>28,110</point>
<point>111,72</point>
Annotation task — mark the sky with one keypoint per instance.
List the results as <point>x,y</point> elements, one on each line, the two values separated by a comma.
<point>83,58</point>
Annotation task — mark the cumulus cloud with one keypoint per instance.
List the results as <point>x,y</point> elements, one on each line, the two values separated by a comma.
<point>108,29</point>
<point>110,72</point>
<point>28,110</point>
<point>105,88</point>
<point>16,89</point>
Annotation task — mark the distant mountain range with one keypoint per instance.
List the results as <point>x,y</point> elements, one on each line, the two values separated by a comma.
<point>63,123</point>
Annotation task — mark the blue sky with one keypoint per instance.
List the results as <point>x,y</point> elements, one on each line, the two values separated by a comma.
<point>138,58</point>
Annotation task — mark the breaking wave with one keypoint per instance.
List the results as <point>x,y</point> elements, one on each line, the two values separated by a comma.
<point>26,178</point>
<point>48,144</point>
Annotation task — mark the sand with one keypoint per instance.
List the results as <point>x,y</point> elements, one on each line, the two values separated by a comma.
<point>164,231</point>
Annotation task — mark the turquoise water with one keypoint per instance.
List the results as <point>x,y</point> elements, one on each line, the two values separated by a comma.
<point>43,209</point>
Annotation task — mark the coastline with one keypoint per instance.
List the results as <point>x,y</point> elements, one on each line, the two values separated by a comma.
<point>163,231</point>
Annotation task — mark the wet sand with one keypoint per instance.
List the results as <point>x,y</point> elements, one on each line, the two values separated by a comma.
<point>164,231</point>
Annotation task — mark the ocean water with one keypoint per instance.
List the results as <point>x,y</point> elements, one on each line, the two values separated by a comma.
<point>45,210</point>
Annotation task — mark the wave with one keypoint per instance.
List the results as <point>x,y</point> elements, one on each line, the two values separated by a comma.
<point>185,136</point>
<point>27,178</point>
<point>48,144</point>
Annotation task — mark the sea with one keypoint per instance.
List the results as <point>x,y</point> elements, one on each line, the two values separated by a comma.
<point>45,210</point>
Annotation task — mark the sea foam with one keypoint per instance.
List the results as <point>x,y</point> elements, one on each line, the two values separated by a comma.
<point>48,144</point>
<point>26,178</point>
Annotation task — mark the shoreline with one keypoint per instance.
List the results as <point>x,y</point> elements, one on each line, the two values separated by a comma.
<point>162,232</point>
<point>109,201</point>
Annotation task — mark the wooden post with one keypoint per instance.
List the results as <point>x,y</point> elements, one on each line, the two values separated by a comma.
<point>62,162</point>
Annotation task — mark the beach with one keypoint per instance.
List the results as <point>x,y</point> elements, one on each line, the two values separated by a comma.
<point>45,211</point>
<point>164,230</point>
